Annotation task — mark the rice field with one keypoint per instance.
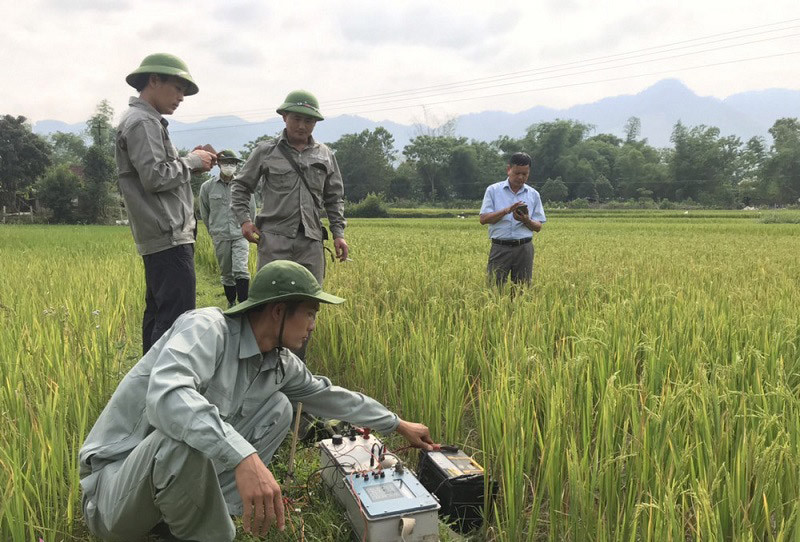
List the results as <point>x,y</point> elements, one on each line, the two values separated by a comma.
<point>645,387</point>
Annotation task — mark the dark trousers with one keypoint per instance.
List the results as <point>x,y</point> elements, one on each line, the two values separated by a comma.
<point>170,283</point>
<point>516,261</point>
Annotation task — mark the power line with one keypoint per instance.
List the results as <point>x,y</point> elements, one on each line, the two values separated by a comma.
<point>531,90</point>
<point>505,78</point>
<point>536,79</point>
<point>659,49</point>
<point>569,85</point>
<point>212,128</point>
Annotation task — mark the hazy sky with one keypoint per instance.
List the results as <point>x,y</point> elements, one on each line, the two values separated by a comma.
<point>408,61</point>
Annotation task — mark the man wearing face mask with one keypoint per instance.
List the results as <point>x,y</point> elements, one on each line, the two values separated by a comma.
<point>230,246</point>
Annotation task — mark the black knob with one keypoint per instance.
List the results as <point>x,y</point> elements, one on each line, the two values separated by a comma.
<point>337,440</point>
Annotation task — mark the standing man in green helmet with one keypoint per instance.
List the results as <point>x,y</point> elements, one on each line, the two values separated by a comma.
<point>154,182</point>
<point>231,248</point>
<point>187,435</point>
<point>301,181</point>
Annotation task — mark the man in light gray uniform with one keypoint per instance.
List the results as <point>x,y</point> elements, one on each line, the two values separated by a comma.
<point>154,182</point>
<point>301,181</point>
<point>187,435</point>
<point>231,248</point>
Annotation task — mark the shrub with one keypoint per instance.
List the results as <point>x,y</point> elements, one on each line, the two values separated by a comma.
<point>57,191</point>
<point>580,203</point>
<point>372,206</point>
<point>554,190</point>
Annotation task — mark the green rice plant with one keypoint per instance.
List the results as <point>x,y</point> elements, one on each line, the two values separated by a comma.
<point>64,342</point>
<point>780,217</point>
<point>646,386</point>
<point>635,327</point>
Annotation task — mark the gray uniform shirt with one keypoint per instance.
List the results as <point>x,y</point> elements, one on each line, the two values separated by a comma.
<point>215,210</point>
<point>202,379</point>
<point>285,201</point>
<point>154,181</point>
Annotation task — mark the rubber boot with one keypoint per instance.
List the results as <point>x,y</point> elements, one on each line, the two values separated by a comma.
<point>242,286</point>
<point>230,294</point>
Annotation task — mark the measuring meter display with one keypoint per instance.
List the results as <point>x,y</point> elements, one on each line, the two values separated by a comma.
<point>383,505</point>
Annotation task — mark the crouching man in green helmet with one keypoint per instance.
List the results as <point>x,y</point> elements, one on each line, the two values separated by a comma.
<point>187,435</point>
<point>154,182</point>
<point>301,180</point>
<point>231,248</point>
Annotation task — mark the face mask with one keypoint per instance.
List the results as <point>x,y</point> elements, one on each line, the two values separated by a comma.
<point>227,169</point>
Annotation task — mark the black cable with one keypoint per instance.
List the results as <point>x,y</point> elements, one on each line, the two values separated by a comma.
<point>310,476</point>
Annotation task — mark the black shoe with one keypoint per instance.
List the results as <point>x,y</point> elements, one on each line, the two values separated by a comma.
<point>242,287</point>
<point>230,295</point>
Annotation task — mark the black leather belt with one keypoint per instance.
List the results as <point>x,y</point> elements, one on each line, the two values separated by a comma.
<point>511,242</point>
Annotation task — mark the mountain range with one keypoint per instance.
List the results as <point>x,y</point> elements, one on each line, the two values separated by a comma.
<point>658,107</point>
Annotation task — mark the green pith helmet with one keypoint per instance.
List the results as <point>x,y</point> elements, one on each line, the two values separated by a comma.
<point>283,280</point>
<point>228,155</point>
<point>303,102</point>
<point>164,64</point>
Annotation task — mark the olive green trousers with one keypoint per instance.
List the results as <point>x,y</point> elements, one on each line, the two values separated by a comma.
<point>307,252</point>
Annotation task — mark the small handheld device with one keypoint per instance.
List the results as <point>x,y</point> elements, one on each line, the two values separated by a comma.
<point>522,210</point>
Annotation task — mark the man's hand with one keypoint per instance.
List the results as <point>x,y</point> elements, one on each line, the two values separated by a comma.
<point>208,148</point>
<point>341,248</point>
<point>496,216</point>
<point>261,496</point>
<point>527,221</point>
<point>513,208</point>
<point>417,435</point>
<point>209,160</point>
<point>520,212</point>
<point>250,232</point>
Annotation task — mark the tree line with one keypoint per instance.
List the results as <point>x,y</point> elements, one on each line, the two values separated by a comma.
<point>571,163</point>
<point>73,176</point>
<point>73,180</point>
